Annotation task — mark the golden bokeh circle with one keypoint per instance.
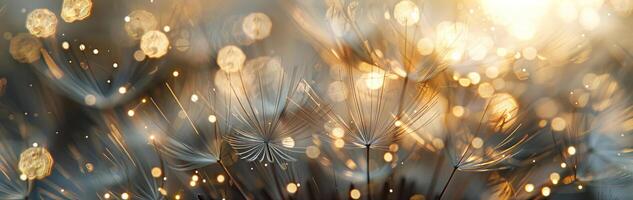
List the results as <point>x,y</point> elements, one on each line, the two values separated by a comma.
<point>25,48</point>
<point>154,44</point>
<point>75,10</point>
<point>41,22</point>
<point>139,22</point>
<point>35,163</point>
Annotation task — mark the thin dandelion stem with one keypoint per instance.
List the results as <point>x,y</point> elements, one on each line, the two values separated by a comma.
<point>182,108</point>
<point>277,183</point>
<point>234,181</point>
<point>335,185</point>
<point>207,190</point>
<point>401,99</point>
<point>367,171</point>
<point>274,172</point>
<point>448,182</point>
<point>160,158</point>
<point>438,165</point>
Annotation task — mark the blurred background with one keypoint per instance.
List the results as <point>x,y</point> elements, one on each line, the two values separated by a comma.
<point>313,99</point>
